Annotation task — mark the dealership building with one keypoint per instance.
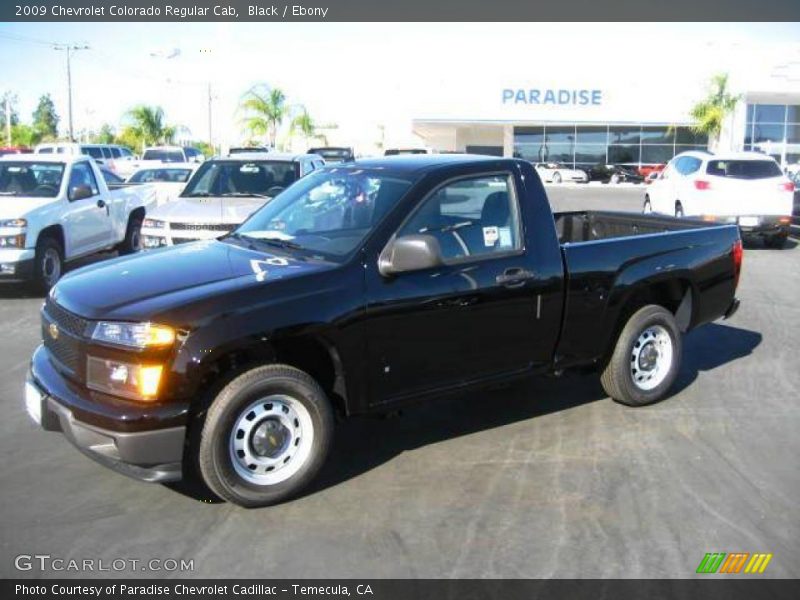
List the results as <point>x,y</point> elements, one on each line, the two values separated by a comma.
<point>583,121</point>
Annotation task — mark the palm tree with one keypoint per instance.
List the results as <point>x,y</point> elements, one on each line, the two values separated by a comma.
<point>265,109</point>
<point>147,125</point>
<point>709,114</point>
<point>303,123</point>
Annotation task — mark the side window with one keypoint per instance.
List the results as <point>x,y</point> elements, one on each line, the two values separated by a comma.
<point>47,150</point>
<point>115,152</point>
<point>82,175</point>
<point>678,166</point>
<point>125,152</point>
<point>691,165</point>
<point>471,218</point>
<point>308,166</point>
<point>106,152</point>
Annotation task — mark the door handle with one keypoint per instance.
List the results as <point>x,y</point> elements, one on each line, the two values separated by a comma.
<point>514,277</point>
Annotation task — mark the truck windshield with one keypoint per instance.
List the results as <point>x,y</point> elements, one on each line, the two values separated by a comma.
<point>239,178</point>
<point>31,179</point>
<point>163,155</point>
<point>330,211</point>
<point>744,169</point>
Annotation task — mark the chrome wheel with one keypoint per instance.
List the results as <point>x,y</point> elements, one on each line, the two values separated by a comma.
<point>651,357</point>
<point>271,440</point>
<point>51,266</point>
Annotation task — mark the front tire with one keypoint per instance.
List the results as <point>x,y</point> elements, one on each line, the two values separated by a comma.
<point>133,236</point>
<point>679,210</point>
<point>265,437</point>
<point>646,358</point>
<point>48,263</point>
<point>647,208</point>
<point>556,177</point>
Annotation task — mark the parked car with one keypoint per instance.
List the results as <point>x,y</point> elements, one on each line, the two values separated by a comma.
<point>159,155</point>
<point>56,208</point>
<point>748,189</point>
<point>796,202</point>
<point>14,150</point>
<point>168,179</point>
<point>222,193</point>
<point>646,170</point>
<point>333,154</point>
<point>559,172</point>
<point>400,151</point>
<point>615,174</point>
<point>113,156</point>
<point>361,288</point>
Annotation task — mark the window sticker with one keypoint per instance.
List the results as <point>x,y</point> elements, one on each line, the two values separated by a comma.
<point>505,237</point>
<point>490,236</point>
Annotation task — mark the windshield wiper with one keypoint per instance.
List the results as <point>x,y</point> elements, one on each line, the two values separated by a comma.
<point>9,193</point>
<point>278,242</point>
<point>244,195</point>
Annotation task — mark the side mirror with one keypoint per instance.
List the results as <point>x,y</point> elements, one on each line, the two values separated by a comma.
<point>274,191</point>
<point>80,192</point>
<point>410,253</point>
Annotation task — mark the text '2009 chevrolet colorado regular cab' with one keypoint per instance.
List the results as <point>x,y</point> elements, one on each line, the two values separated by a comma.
<point>361,287</point>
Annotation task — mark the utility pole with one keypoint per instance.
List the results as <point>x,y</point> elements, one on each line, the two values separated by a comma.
<point>70,48</point>
<point>8,120</point>
<point>210,134</point>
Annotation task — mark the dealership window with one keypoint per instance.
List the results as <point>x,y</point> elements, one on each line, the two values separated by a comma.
<point>623,153</point>
<point>624,135</point>
<point>774,129</point>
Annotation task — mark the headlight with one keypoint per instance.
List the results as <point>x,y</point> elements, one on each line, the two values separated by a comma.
<point>134,335</point>
<point>12,241</point>
<point>139,382</point>
<point>14,223</point>
<point>154,224</point>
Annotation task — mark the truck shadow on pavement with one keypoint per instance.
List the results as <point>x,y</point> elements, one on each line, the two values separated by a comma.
<point>362,444</point>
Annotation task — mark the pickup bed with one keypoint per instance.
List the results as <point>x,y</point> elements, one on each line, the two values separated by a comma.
<point>362,287</point>
<point>57,208</point>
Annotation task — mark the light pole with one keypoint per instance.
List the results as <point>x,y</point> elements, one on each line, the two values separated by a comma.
<point>70,48</point>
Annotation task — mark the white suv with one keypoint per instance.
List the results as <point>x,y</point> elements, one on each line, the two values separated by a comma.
<point>746,188</point>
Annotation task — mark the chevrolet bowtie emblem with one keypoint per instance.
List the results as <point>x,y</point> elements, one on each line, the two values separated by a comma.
<point>53,329</point>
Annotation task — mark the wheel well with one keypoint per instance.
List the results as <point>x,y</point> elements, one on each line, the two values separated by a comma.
<point>309,354</point>
<point>53,231</point>
<point>675,295</point>
<point>138,212</point>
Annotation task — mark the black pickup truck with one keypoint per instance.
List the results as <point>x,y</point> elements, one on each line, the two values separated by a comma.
<point>359,288</point>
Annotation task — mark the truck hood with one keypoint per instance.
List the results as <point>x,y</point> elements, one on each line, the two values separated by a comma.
<point>148,284</point>
<point>207,210</point>
<point>15,207</point>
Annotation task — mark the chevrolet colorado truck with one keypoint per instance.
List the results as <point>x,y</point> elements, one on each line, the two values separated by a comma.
<point>55,208</point>
<point>361,287</point>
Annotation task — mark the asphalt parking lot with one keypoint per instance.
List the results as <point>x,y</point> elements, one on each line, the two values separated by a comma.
<point>548,478</point>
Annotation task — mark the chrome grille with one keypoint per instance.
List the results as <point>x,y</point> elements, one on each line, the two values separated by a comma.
<point>65,347</point>
<point>203,226</point>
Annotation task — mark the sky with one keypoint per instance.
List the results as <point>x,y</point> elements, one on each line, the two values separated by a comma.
<point>357,76</point>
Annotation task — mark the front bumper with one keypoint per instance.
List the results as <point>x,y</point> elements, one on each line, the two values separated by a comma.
<point>16,264</point>
<point>154,455</point>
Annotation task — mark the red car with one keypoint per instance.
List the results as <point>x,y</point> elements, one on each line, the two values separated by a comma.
<point>14,150</point>
<point>645,170</point>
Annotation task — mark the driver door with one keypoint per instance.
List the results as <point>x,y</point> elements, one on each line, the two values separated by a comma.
<point>87,224</point>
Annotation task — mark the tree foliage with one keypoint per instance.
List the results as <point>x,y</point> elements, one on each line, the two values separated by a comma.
<point>710,113</point>
<point>263,109</point>
<point>147,127</point>
<point>45,118</point>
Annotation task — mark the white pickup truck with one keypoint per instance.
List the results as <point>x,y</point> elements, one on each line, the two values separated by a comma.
<point>54,209</point>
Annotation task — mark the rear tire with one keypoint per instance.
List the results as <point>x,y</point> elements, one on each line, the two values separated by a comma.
<point>679,210</point>
<point>646,358</point>
<point>265,436</point>
<point>133,236</point>
<point>48,263</point>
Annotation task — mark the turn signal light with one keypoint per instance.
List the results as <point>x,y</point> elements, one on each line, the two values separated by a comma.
<point>701,184</point>
<point>738,255</point>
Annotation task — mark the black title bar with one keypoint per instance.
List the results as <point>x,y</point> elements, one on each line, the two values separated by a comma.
<point>399,10</point>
